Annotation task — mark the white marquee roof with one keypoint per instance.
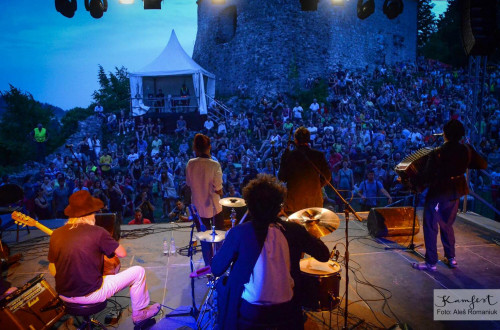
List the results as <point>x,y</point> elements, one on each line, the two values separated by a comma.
<point>173,60</point>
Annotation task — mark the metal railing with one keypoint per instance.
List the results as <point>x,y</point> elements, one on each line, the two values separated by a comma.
<point>216,110</point>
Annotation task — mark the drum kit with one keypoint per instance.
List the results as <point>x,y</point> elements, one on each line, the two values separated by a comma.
<point>321,280</point>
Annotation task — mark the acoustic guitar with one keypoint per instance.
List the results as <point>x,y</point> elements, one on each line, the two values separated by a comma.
<point>111,265</point>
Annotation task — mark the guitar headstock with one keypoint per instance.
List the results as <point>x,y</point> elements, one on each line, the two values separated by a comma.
<point>22,219</point>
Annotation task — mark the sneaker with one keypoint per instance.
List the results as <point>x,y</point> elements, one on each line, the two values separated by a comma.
<point>146,313</point>
<point>451,262</point>
<point>424,266</point>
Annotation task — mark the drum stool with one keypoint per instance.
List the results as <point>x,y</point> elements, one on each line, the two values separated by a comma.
<point>86,311</point>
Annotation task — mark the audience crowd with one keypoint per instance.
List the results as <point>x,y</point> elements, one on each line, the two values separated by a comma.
<point>368,123</point>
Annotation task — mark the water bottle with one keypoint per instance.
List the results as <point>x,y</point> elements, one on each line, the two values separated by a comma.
<point>165,246</point>
<point>172,247</point>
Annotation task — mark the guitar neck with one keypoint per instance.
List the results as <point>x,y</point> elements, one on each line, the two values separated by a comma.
<point>46,230</point>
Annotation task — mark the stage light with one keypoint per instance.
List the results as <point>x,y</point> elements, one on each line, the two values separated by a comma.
<point>126,2</point>
<point>392,8</point>
<point>66,7</point>
<point>218,2</point>
<point>152,4</point>
<point>96,7</point>
<point>338,2</point>
<point>365,9</point>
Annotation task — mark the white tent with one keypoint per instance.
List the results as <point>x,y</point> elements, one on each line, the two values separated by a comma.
<point>172,62</point>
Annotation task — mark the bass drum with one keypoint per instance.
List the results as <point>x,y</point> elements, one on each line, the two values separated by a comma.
<point>320,284</point>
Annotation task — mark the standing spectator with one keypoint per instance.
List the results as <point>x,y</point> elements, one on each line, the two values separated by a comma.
<point>99,111</point>
<point>142,148</point>
<point>143,203</point>
<point>42,206</point>
<point>314,108</point>
<point>369,190</point>
<point>297,112</point>
<point>115,205</point>
<point>345,181</point>
<point>60,198</point>
<point>105,162</point>
<point>208,125</point>
<point>112,123</point>
<point>168,193</point>
<point>40,136</point>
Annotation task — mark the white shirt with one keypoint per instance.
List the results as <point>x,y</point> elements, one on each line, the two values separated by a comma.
<point>209,124</point>
<point>314,107</point>
<point>204,177</point>
<point>271,282</point>
<point>297,112</point>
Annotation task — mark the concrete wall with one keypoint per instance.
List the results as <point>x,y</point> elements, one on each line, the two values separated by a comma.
<point>273,41</point>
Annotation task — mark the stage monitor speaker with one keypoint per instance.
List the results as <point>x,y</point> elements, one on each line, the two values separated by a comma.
<point>392,221</point>
<point>479,27</point>
<point>34,306</point>
<point>108,222</point>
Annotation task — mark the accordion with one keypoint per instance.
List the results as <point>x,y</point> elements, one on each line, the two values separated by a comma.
<point>411,167</point>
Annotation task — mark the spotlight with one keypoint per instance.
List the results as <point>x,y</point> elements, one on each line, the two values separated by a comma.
<point>126,2</point>
<point>365,9</point>
<point>96,7</point>
<point>218,2</point>
<point>338,2</point>
<point>152,4</point>
<point>66,7</point>
<point>392,8</point>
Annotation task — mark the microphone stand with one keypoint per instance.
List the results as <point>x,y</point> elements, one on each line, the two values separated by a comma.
<point>193,311</point>
<point>347,209</point>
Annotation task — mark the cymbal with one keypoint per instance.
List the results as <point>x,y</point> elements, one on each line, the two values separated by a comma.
<point>209,237</point>
<point>232,202</point>
<point>318,221</point>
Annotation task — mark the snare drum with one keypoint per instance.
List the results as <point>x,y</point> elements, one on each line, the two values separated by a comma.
<point>320,284</point>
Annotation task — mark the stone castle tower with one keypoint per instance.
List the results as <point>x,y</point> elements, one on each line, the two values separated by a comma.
<point>269,43</point>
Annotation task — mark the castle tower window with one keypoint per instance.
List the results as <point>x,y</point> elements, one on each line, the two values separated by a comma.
<point>226,25</point>
<point>309,5</point>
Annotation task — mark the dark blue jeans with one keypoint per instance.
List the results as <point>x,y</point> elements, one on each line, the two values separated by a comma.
<point>444,217</point>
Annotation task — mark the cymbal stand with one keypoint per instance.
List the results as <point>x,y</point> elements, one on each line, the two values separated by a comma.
<point>233,217</point>
<point>208,307</point>
<point>348,208</point>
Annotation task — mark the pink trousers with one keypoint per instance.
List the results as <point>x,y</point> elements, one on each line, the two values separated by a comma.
<point>133,277</point>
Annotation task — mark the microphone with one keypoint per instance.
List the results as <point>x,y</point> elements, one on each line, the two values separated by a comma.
<point>69,146</point>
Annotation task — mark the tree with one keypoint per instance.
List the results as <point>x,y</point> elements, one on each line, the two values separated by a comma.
<point>426,21</point>
<point>445,44</point>
<point>22,115</point>
<point>114,93</point>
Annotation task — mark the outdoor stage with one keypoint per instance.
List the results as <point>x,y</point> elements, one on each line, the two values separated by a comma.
<point>384,289</point>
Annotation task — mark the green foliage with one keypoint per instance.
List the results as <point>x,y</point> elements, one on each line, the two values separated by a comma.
<point>426,21</point>
<point>114,93</point>
<point>70,121</point>
<point>306,96</point>
<point>22,115</point>
<point>446,44</point>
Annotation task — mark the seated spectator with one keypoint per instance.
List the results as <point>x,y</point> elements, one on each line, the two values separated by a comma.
<point>180,212</point>
<point>139,219</point>
<point>181,126</point>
